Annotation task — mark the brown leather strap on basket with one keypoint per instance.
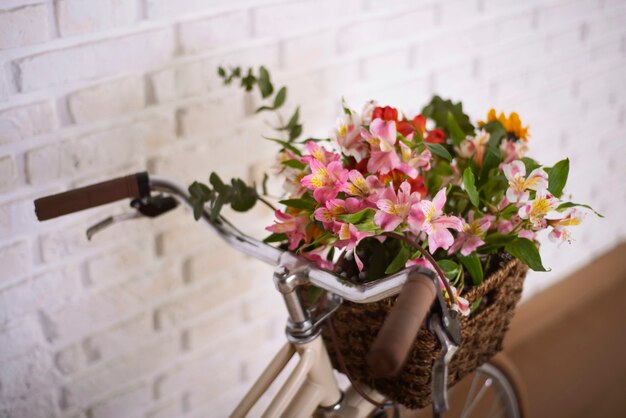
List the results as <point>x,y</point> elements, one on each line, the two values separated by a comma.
<point>395,338</point>
<point>131,186</point>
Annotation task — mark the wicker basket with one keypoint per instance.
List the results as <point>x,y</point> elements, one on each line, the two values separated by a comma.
<point>482,335</point>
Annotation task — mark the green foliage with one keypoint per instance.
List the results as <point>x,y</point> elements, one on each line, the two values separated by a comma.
<point>557,177</point>
<point>456,133</point>
<point>469,182</point>
<point>449,267</point>
<point>237,194</point>
<point>265,85</point>
<point>263,81</point>
<point>491,160</point>
<point>496,133</point>
<point>439,109</point>
<point>526,251</point>
<point>473,266</point>
<point>356,218</point>
<point>294,164</point>
<point>399,261</point>
<point>301,203</point>
<point>530,164</point>
<point>439,150</point>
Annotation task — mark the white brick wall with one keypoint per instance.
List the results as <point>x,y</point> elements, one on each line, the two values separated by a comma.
<point>157,318</point>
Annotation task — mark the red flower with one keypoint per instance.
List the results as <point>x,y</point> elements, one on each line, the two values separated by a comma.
<point>386,113</point>
<point>436,136</point>
<point>417,185</point>
<point>405,128</point>
<point>420,123</point>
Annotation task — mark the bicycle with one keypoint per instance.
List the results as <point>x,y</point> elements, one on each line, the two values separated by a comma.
<point>311,389</point>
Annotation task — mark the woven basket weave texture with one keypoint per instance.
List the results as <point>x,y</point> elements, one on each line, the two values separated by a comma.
<point>356,326</point>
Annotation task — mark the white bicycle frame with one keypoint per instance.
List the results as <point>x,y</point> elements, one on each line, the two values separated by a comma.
<point>310,387</point>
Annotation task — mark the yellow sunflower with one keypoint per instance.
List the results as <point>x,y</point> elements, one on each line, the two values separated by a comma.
<point>512,124</point>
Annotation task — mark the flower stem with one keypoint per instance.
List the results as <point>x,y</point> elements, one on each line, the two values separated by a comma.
<point>266,203</point>
<point>428,257</point>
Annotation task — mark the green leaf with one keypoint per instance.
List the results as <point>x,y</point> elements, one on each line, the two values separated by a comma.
<point>295,132</point>
<point>473,266</point>
<point>355,218</point>
<point>530,164</point>
<point>499,239</point>
<point>275,238</point>
<point>399,261</point>
<point>293,121</point>
<point>300,203</point>
<point>264,83</point>
<point>433,182</point>
<point>285,145</point>
<point>438,110</point>
<point>469,182</point>
<point>439,149</point>
<point>280,98</point>
<point>221,71</point>
<point>456,133</point>
<point>449,267</point>
<point>496,133</point>
<point>248,81</point>
<point>527,252</point>
<point>217,183</point>
<point>294,164</point>
<point>492,159</point>
<point>566,205</point>
<point>557,177</point>
<point>242,196</point>
<point>369,226</point>
<point>200,191</point>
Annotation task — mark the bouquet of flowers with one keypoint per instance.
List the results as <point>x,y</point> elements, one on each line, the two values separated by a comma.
<point>388,190</point>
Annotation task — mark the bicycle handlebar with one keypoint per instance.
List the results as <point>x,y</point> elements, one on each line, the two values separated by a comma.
<point>395,338</point>
<point>139,185</point>
<point>131,186</point>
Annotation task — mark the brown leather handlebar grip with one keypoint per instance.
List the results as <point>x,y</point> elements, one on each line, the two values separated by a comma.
<point>395,338</point>
<point>131,186</point>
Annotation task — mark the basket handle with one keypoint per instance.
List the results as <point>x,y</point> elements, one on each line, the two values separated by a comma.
<point>395,338</point>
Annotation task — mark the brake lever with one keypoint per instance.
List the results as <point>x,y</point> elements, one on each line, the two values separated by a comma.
<point>105,223</point>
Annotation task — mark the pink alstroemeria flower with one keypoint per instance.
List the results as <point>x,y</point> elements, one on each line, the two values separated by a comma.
<point>475,146</point>
<point>348,137</point>
<point>334,207</point>
<point>366,188</point>
<point>519,185</point>
<point>428,217</point>
<point>536,210</point>
<point>318,153</point>
<point>382,139</point>
<point>571,217</point>
<point>470,237</point>
<point>349,238</point>
<point>325,180</point>
<point>318,257</point>
<point>462,303</point>
<point>411,162</point>
<point>395,208</point>
<point>292,226</point>
<point>513,150</point>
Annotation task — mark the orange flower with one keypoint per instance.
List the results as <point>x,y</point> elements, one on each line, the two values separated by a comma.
<point>512,124</point>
